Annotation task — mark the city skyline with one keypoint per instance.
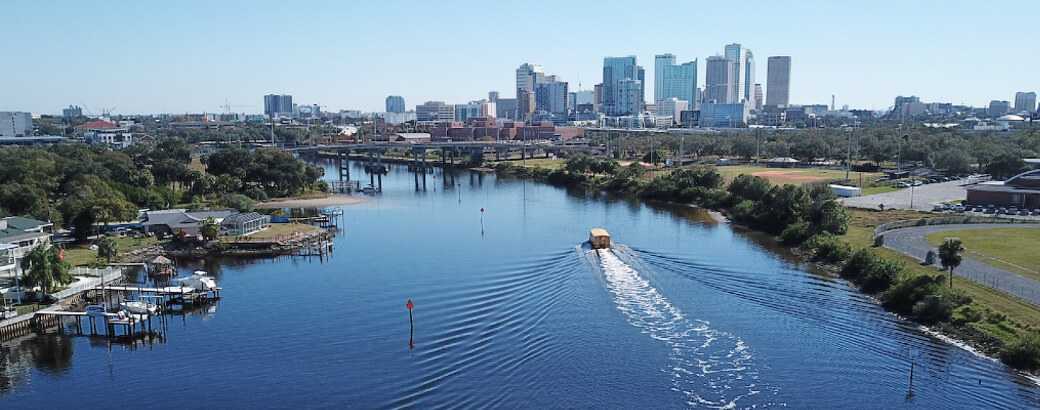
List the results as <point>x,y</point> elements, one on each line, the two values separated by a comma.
<point>854,60</point>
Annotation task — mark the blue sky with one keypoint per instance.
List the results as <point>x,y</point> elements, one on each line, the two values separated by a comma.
<point>191,56</point>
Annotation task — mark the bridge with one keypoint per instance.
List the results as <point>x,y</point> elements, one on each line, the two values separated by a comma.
<point>416,155</point>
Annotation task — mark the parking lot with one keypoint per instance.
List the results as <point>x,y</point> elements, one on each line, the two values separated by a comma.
<point>923,197</point>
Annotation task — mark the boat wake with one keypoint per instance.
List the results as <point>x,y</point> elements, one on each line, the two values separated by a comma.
<point>711,368</point>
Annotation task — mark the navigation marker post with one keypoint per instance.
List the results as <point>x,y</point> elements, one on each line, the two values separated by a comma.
<point>482,221</point>
<point>411,324</point>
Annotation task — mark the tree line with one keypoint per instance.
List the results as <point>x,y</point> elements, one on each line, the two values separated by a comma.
<point>79,186</point>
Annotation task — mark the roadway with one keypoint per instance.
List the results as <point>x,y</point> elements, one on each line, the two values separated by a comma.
<point>913,242</point>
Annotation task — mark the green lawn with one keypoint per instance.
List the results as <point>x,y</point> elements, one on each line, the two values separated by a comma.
<point>79,255</point>
<point>550,164</point>
<point>1013,249</point>
<point>1019,313</point>
<point>276,231</point>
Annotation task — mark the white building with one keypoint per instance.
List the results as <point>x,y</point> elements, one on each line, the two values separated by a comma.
<point>15,124</point>
<point>672,109</point>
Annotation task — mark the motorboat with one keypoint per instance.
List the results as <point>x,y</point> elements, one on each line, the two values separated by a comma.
<point>139,307</point>
<point>200,281</point>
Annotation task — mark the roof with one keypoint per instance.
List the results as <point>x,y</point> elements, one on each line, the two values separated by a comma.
<point>97,125</point>
<point>782,159</point>
<point>599,232</point>
<point>24,224</point>
<point>1011,117</point>
<point>1002,188</point>
<point>243,217</point>
<point>178,218</point>
<point>161,260</point>
<point>413,135</point>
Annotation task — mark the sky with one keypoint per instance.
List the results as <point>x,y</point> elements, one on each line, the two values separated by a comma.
<point>196,56</point>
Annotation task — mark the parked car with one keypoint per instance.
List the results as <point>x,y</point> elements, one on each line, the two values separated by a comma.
<point>1023,212</point>
<point>918,183</point>
<point>1036,212</point>
<point>989,211</point>
<point>938,208</point>
<point>1001,211</point>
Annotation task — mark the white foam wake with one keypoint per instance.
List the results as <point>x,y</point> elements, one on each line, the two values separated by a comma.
<point>712,368</point>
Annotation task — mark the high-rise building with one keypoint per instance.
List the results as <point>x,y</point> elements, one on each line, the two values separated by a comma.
<point>15,124</point>
<point>749,79</point>
<point>672,107</point>
<point>778,81</point>
<point>527,78</point>
<point>1025,102</point>
<point>493,96</point>
<point>718,87</point>
<point>737,55</point>
<point>435,111</point>
<point>671,80</point>
<point>998,108</point>
<point>276,105</point>
<point>618,101</point>
<point>506,108</point>
<point>759,98</point>
<point>464,112</point>
<point>395,103</point>
<point>74,111</point>
<point>723,115</point>
<point>551,96</point>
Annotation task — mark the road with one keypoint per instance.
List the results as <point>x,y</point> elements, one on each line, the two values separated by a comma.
<point>924,197</point>
<point>914,243</point>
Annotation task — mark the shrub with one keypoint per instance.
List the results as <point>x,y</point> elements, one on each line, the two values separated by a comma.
<point>880,275</point>
<point>904,294</point>
<point>795,233</point>
<point>966,314</point>
<point>828,248</point>
<point>1024,353</point>
<point>744,211</point>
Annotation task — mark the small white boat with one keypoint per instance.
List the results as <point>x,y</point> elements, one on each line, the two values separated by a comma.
<point>140,308</point>
<point>199,281</point>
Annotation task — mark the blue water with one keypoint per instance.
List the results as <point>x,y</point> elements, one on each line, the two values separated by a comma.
<point>683,313</point>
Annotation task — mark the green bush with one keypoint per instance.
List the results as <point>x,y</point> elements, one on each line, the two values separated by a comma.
<point>1024,353</point>
<point>828,248</point>
<point>795,233</point>
<point>904,294</point>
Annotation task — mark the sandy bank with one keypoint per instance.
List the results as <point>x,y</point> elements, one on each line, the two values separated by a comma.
<point>331,200</point>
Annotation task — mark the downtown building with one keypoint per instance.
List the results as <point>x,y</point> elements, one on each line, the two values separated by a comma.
<point>778,81</point>
<point>434,111</point>
<point>672,80</point>
<point>395,104</point>
<point>718,81</point>
<point>623,86</point>
<point>278,105</point>
<point>742,63</point>
<point>1025,102</point>
<point>528,76</point>
<point>15,124</point>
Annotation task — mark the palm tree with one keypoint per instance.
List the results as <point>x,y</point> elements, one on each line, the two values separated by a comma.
<point>107,248</point>
<point>45,268</point>
<point>950,255</point>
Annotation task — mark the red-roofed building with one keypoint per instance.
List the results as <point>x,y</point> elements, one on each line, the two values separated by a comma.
<point>105,132</point>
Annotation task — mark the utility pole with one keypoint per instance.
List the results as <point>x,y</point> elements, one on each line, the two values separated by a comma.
<point>848,162</point>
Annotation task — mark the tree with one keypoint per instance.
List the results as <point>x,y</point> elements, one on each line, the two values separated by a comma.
<point>107,248</point>
<point>950,255</point>
<point>210,229</point>
<point>45,268</point>
<point>1005,165</point>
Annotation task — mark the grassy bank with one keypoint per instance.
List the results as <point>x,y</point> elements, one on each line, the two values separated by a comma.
<point>992,320</point>
<point>1012,249</point>
<point>82,255</point>
<point>805,216</point>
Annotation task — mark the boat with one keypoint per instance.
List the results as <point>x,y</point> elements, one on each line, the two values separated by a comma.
<point>369,189</point>
<point>200,281</point>
<point>138,307</point>
<point>599,238</point>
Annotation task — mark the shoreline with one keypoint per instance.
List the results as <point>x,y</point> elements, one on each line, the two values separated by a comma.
<point>330,200</point>
<point>950,333</point>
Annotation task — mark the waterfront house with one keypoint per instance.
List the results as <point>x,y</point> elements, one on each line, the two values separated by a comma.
<point>24,234</point>
<point>245,223</point>
<point>8,263</point>
<point>172,221</point>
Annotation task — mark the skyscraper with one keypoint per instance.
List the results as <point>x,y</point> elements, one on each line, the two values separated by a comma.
<point>737,55</point>
<point>1025,102</point>
<point>551,96</point>
<point>759,98</point>
<point>998,108</point>
<point>778,81</point>
<point>619,101</point>
<point>749,79</point>
<point>395,103</point>
<point>278,105</point>
<point>493,96</point>
<point>671,80</point>
<point>527,78</point>
<point>435,111</point>
<point>718,81</point>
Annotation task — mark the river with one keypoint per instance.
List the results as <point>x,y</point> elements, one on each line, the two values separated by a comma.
<point>511,310</point>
